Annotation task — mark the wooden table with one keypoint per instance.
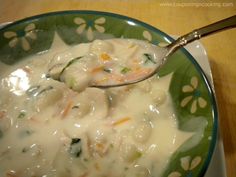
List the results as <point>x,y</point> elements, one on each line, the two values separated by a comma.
<point>173,18</point>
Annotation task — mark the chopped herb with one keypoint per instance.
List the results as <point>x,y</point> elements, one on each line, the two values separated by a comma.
<point>25,133</point>
<point>28,132</point>
<point>1,134</point>
<point>125,70</point>
<point>85,159</point>
<point>22,114</point>
<point>111,146</point>
<point>149,58</point>
<point>69,63</point>
<point>138,154</point>
<point>25,149</point>
<point>75,141</point>
<point>75,147</point>
<point>108,70</point>
<point>75,107</point>
<point>47,76</point>
<point>72,82</point>
<point>126,168</point>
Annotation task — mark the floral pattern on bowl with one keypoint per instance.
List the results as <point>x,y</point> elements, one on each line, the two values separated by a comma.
<point>191,93</point>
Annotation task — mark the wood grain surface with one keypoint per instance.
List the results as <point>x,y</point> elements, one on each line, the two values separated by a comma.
<point>173,17</point>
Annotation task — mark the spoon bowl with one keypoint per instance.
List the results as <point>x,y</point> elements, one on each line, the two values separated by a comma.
<point>165,52</point>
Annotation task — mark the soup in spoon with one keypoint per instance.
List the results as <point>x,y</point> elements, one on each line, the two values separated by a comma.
<point>105,62</point>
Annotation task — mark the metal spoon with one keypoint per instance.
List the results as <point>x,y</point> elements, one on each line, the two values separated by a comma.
<point>165,52</point>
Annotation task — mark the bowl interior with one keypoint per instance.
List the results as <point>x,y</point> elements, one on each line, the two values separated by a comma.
<point>190,91</point>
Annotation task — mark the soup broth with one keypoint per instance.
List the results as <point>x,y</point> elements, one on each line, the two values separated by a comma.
<point>49,130</point>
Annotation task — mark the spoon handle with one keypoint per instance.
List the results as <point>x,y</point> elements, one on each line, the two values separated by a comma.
<point>201,32</point>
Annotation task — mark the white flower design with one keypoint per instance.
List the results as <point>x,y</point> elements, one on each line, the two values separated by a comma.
<point>22,36</point>
<point>163,44</point>
<point>195,96</point>
<point>187,166</point>
<point>147,35</point>
<point>90,25</point>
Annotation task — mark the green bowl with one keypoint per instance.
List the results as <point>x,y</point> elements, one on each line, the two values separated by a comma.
<point>192,95</point>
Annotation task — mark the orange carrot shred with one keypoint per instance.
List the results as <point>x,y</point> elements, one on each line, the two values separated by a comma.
<point>34,119</point>
<point>135,61</point>
<point>117,77</point>
<point>84,175</point>
<point>121,121</point>
<point>97,166</point>
<point>138,74</point>
<point>67,109</point>
<point>105,79</point>
<point>105,57</point>
<point>2,114</point>
<point>97,69</point>
<point>100,145</point>
<point>138,68</point>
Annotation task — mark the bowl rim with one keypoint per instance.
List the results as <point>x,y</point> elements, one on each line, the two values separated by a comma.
<point>210,90</point>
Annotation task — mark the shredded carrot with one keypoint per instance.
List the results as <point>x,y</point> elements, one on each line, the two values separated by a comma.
<point>97,69</point>
<point>138,74</point>
<point>117,77</point>
<point>84,175</point>
<point>105,79</point>
<point>137,68</point>
<point>34,119</point>
<point>121,121</point>
<point>113,77</point>
<point>99,145</point>
<point>121,79</point>
<point>2,114</point>
<point>97,167</point>
<point>105,57</point>
<point>135,61</point>
<point>67,109</point>
<point>131,46</point>
<point>129,87</point>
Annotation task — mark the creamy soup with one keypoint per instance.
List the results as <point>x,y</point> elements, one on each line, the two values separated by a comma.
<point>49,130</point>
<point>105,62</point>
